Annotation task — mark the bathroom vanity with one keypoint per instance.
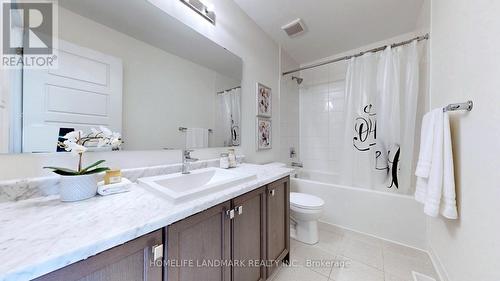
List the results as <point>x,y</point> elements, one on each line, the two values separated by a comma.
<point>249,228</point>
<point>248,223</point>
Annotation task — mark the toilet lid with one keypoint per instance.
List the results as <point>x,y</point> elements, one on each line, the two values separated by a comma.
<point>306,201</point>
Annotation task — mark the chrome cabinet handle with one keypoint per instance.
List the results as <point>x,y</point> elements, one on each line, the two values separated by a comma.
<point>157,251</point>
<point>230,214</point>
<point>272,192</point>
<point>239,209</point>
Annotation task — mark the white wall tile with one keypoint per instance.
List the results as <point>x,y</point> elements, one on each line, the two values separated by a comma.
<point>321,118</point>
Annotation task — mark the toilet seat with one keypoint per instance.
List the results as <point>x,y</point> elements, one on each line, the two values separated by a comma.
<point>306,201</point>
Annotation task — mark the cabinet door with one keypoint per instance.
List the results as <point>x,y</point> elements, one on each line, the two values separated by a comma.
<point>196,243</point>
<point>130,261</point>
<point>278,222</point>
<point>248,236</point>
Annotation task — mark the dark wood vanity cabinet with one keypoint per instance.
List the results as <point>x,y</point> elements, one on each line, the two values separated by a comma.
<point>278,223</point>
<point>131,261</point>
<point>233,241</point>
<point>251,232</point>
<point>196,242</point>
<point>248,231</point>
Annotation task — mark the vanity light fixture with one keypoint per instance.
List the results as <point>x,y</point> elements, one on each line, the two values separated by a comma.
<point>205,11</point>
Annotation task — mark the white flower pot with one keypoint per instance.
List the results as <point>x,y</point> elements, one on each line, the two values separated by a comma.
<point>76,188</point>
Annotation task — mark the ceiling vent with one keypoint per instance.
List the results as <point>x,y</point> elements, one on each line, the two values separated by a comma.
<point>294,28</point>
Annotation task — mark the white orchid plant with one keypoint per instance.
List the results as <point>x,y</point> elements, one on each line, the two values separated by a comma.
<point>77,143</point>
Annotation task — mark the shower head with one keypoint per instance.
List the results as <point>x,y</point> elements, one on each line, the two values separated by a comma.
<point>298,79</point>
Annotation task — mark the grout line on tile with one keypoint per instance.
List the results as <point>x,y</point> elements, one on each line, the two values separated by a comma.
<point>326,226</point>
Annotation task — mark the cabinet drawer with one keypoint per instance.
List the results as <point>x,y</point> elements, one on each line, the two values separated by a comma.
<point>130,261</point>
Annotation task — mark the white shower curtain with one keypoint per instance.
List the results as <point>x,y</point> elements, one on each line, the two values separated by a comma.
<point>381,100</point>
<point>358,159</point>
<point>230,105</point>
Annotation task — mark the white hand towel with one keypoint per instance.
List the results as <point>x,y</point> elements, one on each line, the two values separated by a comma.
<point>435,177</point>
<point>196,138</point>
<point>449,205</point>
<point>426,142</point>
<point>425,157</point>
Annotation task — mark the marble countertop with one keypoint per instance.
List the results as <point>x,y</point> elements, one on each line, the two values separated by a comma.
<point>40,235</point>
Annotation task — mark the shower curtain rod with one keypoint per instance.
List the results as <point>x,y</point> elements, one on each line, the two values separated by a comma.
<point>222,92</point>
<point>374,50</point>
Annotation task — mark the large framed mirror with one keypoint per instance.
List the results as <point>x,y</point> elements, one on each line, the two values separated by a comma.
<point>135,70</point>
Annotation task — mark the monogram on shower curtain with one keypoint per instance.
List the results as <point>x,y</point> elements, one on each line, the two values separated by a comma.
<point>230,116</point>
<point>380,111</point>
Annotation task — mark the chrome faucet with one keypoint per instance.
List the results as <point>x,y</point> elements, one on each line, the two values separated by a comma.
<point>187,160</point>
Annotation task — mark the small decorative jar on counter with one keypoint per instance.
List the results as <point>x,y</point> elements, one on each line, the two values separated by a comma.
<point>232,158</point>
<point>224,161</point>
<point>113,176</point>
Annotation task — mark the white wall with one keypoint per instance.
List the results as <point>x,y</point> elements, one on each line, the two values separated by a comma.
<point>235,31</point>
<point>424,18</point>
<point>465,64</point>
<point>289,111</point>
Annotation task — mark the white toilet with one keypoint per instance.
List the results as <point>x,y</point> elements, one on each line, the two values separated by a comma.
<point>305,210</point>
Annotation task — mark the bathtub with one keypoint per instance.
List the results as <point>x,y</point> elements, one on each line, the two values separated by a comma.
<point>394,217</point>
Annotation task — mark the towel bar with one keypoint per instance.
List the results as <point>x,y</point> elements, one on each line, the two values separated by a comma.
<point>183,129</point>
<point>459,106</point>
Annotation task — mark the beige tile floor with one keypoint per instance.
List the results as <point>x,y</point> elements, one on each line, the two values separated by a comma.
<point>343,255</point>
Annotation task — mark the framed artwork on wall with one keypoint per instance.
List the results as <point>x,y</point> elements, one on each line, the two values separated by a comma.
<point>264,133</point>
<point>264,100</point>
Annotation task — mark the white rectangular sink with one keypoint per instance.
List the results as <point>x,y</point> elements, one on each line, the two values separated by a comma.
<point>182,187</point>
